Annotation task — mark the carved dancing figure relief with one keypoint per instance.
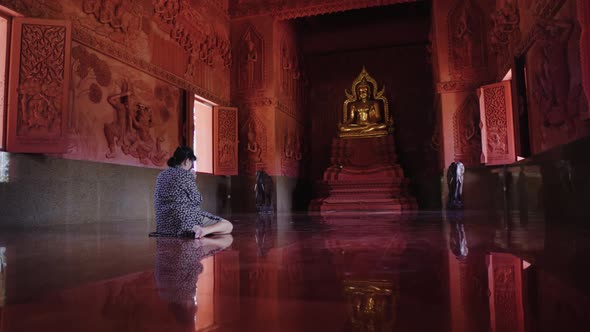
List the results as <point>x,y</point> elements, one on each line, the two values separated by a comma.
<point>250,67</point>
<point>132,130</point>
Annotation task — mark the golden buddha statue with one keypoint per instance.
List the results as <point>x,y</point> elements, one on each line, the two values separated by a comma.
<point>363,115</point>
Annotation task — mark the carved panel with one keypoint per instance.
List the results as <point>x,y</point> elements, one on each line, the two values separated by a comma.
<point>225,141</point>
<point>505,32</point>
<point>129,31</point>
<point>253,150</point>
<point>120,115</point>
<point>186,26</point>
<point>505,288</point>
<point>456,86</point>
<point>556,96</point>
<point>497,132</point>
<point>292,152</point>
<point>466,132</point>
<point>38,96</point>
<point>251,60</point>
<point>467,39</point>
<point>120,21</point>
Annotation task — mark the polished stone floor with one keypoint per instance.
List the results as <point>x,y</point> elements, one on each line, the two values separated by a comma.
<point>427,271</point>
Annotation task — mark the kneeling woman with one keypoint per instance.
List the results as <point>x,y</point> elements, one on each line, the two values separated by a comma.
<point>177,201</point>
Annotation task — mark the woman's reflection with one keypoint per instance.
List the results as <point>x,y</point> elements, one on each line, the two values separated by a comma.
<point>178,265</point>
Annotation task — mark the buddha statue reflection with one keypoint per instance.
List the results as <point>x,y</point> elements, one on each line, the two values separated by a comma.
<point>363,114</point>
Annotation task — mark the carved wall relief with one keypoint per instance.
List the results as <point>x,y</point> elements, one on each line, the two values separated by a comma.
<point>120,21</point>
<point>466,131</point>
<point>189,28</point>
<point>120,115</point>
<point>226,136</point>
<point>41,81</point>
<point>251,60</point>
<point>292,153</point>
<point>505,32</point>
<point>556,100</point>
<point>497,128</point>
<point>254,148</point>
<point>466,39</point>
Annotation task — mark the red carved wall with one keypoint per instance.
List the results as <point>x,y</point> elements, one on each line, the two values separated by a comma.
<point>544,33</point>
<point>38,109</point>
<point>269,91</point>
<point>129,62</point>
<point>120,114</point>
<point>556,99</point>
<point>497,126</point>
<point>225,144</point>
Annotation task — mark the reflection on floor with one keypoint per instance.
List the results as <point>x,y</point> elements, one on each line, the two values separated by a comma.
<point>459,271</point>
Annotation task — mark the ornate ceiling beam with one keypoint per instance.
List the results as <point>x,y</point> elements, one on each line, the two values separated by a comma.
<point>289,9</point>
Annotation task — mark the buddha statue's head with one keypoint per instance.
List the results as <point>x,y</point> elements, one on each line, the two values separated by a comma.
<point>363,90</point>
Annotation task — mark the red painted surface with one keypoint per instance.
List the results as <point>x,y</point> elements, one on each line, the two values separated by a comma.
<point>225,141</point>
<point>497,131</point>
<point>506,293</point>
<point>363,176</point>
<point>38,111</point>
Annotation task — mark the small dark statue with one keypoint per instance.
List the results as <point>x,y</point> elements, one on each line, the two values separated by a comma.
<point>455,183</point>
<point>263,189</point>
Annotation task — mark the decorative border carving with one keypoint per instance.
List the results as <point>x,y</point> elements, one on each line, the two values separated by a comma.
<point>289,9</point>
<point>84,37</point>
<point>457,86</point>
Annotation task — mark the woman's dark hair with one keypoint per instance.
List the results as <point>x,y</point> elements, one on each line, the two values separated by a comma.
<point>181,154</point>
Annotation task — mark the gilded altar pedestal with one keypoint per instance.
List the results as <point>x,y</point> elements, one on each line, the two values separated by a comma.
<point>364,174</point>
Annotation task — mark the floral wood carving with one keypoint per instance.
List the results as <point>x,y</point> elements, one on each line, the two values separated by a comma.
<point>38,110</point>
<point>41,79</point>
<point>466,132</point>
<point>497,124</point>
<point>226,162</point>
<point>467,39</point>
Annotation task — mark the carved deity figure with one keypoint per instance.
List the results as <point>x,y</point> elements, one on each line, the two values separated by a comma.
<point>249,62</point>
<point>253,146</point>
<point>363,115</point>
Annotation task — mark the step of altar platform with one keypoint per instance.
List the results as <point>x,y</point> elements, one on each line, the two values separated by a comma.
<point>342,205</point>
<point>364,176</point>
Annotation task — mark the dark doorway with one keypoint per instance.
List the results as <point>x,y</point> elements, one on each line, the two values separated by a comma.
<point>522,114</point>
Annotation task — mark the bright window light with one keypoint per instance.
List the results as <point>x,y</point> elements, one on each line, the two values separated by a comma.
<point>203,136</point>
